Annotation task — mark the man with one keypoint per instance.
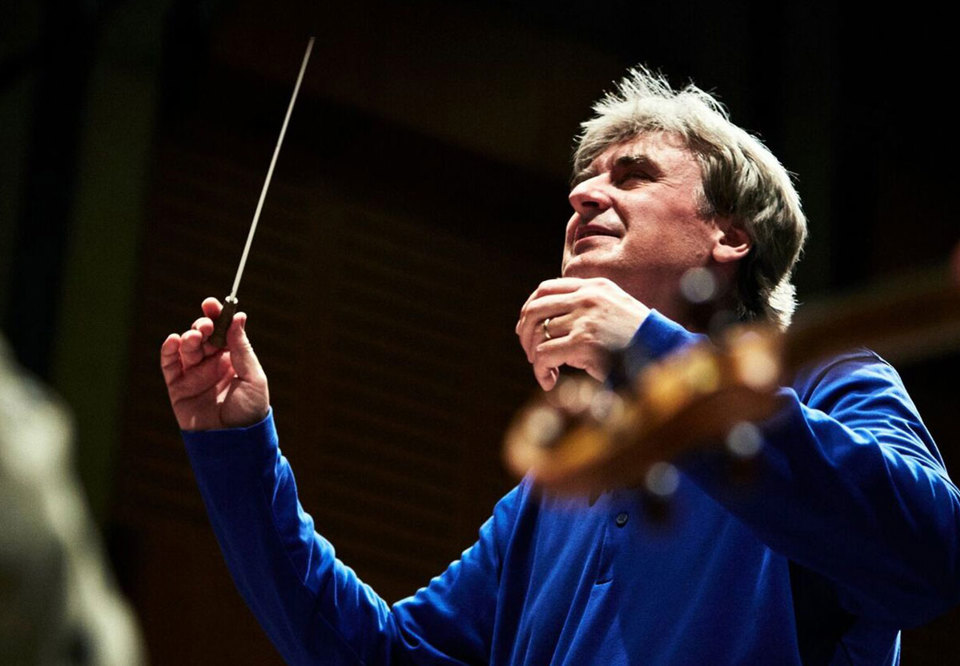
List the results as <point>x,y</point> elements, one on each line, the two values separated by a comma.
<point>848,533</point>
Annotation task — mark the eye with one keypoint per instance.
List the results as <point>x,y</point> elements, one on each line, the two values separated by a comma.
<point>633,176</point>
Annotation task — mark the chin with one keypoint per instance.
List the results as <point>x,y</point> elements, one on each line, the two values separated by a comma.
<point>582,269</point>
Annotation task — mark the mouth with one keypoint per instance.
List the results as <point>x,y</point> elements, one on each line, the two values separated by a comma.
<point>594,230</point>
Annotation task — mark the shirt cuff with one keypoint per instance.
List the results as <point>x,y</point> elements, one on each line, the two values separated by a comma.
<point>656,337</point>
<point>217,446</point>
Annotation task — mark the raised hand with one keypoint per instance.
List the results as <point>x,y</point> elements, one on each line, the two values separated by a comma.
<point>585,320</point>
<point>213,388</point>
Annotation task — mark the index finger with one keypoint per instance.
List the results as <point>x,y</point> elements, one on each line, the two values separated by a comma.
<point>211,307</point>
<point>559,285</point>
<point>170,358</point>
<point>547,287</point>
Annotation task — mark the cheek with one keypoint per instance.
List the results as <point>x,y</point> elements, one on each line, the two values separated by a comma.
<point>568,239</point>
<point>700,239</point>
<point>569,230</point>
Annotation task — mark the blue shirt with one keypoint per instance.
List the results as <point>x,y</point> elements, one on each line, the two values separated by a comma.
<point>847,532</point>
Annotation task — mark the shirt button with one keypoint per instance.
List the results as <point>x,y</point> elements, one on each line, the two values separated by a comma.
<point>622,518</point>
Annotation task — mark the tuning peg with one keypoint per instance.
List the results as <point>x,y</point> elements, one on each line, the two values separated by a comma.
<point>660,484</point>
<point>699,285</point>
<point>661,480</point>
<point>743,444</point>
<point>744,440</point>
<point>706,293</point>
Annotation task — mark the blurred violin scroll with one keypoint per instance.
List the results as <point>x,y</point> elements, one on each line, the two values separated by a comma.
<point>585,437</point>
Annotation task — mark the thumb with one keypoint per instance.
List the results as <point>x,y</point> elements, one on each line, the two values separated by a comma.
<point>244,361</point>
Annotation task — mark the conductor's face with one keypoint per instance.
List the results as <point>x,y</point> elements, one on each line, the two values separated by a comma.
<point>637,220</point>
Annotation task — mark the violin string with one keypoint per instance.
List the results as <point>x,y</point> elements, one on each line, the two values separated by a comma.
<point>266,182</point>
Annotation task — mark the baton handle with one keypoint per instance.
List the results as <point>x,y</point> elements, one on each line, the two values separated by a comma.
<point>222,324</point>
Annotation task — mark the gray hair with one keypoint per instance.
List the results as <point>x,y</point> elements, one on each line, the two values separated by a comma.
<point>741,179</point>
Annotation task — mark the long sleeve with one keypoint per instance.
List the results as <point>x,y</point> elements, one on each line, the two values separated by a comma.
<point>313,607</point>
<point>849,484</point>
<point>850,514</point>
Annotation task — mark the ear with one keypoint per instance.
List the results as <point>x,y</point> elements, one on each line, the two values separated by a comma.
<point>732,242</point>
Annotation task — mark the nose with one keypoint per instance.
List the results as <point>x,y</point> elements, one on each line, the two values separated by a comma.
<point>590,197</point>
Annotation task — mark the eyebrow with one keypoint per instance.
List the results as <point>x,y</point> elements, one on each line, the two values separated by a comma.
<point>639,160</point>
<point>621,163</point>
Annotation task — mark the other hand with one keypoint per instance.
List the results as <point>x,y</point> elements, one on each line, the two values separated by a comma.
<point>585,320</point>
<point>213,388</point>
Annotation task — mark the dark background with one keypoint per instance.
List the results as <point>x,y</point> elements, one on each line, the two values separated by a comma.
<point>420,196</point>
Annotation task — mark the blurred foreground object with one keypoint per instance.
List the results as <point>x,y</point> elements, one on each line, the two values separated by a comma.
<point>585,437</point>
<point>58,601</point>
